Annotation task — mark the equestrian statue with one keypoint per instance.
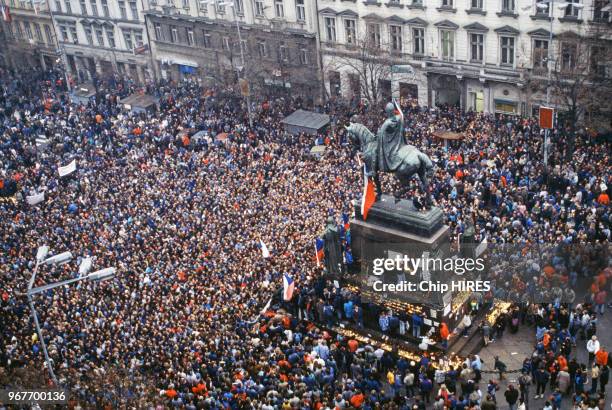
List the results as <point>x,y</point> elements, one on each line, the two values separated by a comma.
<point>387,151</point>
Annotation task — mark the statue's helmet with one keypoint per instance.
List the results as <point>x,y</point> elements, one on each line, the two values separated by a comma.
<point>330,220</point>
<point>390,108</point>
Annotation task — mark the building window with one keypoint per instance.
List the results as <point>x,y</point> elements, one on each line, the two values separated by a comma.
<point>239,7</point>
<point>447,43</point>
<point>38,33</point>
<point>418,40</point>
<point>350,32</point>
<point>569,52</point>
<point>18,31</point>
<point>330,29</point>
<point>300,10</point>
<point>127,36</point>
<point>186,4</point>
<point>203,6</point>
<point>134,10</point>
<point>73,33</point>
<point>226,44</point>
<point>83,7</point>
<point>220,7</point>
<point>540,54</point>
<point>373,33</point>
<point>283,53</point>
<point>190,40</point>
<point>28,30</point>
<point>571,10</point>
<point>58,6</point>
<point>68,7</point>
<point>138,38</point>
<point>542,8</point>
<point>447,3</point>
<point>598,11</point>
<point>278,8</point>
<point>158,32</point>
<point>507,50</point>
<point>261,49</point>
<point>94,7</point>
<point>110,36</point>
<point>48,34</point>
<point>508,6</point>
<point>173,34</point>
<point>304,56</point>
<point>105,8</point>
<point>207,42</point>
<point>63,32</point>
<point>100,36</point>
<point>396,38</point>
<point>477,4</point>
<point>476,47</point>
<point>599,62</point>
<point>259,8</point>
<point>245,46</point>
<point>123,10</point>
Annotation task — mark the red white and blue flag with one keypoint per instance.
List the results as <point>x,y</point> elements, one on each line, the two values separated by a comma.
<point>288,287</point>
<point>6,13</point>
<point>369,195</point>
<point>319,252</point>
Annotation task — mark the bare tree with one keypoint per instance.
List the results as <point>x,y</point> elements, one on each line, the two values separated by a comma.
<point>581,75</point>
<point>369,60</point>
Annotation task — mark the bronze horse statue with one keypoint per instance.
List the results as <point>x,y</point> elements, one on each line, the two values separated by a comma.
<point>407,161</point>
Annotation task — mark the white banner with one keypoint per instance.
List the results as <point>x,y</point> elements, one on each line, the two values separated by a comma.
<point>68,169</point>
<point>35,199</point>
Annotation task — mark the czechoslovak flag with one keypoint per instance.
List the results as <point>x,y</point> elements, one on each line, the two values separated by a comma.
<point>6,13</point>
<point>319,252</point>
<point>264,249</point>
<point>369,195</point>
<point>288,287</point>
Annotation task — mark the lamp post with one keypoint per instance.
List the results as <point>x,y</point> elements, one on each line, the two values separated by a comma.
<point>59,259</point>
<point>232,4</point>
<point>549,61</point>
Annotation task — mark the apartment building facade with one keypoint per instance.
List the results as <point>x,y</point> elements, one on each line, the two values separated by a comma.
<point>272,43</point>
<point>477,54</point>
<point>29,37</point>
<point>102,37</point>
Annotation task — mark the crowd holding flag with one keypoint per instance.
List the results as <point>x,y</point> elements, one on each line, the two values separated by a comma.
<point>6,13</point>
<point>369,195</point>
<point>319,251</point>
<point>288,287</point>
<point>264,249</point>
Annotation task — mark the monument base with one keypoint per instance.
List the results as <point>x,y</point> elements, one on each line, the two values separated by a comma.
<point>394,230</point>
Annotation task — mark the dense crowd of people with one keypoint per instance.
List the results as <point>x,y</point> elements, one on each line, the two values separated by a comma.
<point>186,322</point>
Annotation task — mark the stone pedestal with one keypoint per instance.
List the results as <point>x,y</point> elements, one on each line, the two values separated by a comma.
<point>395,229</point>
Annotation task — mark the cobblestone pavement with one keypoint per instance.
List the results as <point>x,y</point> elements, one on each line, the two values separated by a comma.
<point>513,348</point>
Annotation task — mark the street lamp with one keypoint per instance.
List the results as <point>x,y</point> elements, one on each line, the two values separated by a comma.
<point>59,259</point>
<point>232,4</point>
<point>549,5</point>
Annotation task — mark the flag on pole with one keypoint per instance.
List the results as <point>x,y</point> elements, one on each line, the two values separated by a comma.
<point>264,249</point>
<point>6,13</point>
<point>319,252</point>
<point>288,287</point>
<point>369,195</point>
